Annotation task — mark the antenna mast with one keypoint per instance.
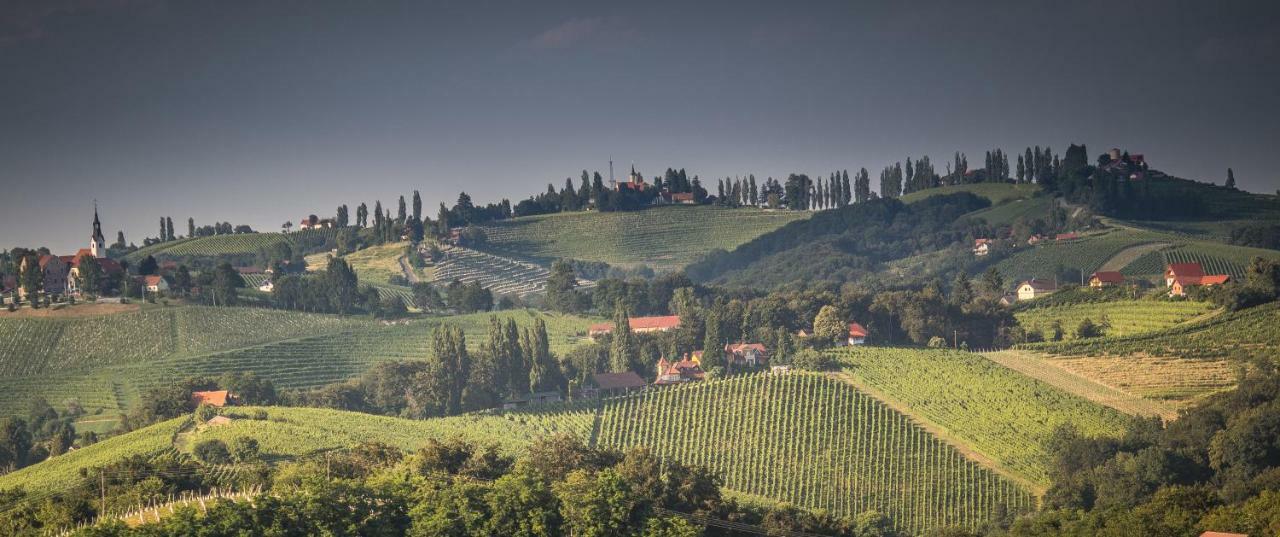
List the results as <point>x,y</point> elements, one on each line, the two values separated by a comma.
<point>610,170</point>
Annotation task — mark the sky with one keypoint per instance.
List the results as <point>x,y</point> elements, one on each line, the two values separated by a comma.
<point>258,112</point>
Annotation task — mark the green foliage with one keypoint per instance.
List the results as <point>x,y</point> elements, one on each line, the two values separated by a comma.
<point>1124,317</point>
<point>212,452</point>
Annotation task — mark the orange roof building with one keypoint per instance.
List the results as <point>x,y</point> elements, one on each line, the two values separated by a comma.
<point>217,398</point>
<point>686,370</point>
<point>640,325</point>
<point>1105,278</point>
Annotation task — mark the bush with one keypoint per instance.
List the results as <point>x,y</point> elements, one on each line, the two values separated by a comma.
<point>936,342</point>
<point>812,360</point>
<point>205,413</point>
<point>245,450</point>
<point>212,452</point>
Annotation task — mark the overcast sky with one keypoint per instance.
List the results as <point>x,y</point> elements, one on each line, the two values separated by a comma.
<point>264,111</point>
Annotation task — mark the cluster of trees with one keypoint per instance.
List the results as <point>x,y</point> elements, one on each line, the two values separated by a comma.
<point>171,400</point>
<point>1217,467</point>
<point>446,487</point>
<point>1257,236</point>
<point>511,362</point>
<point>44,433</point>
<point>336,289</point>
<point>167,234</point>
<point>1261,285</point>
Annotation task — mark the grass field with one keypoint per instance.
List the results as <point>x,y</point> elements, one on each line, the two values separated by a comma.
<point>376,265</point>
<point>664,238</point>
<point>294,350</point>
<point>1125,317</point>
<point>235,244</point>
<point>998,412</point>
<point>998,193</point>
<point>1056,373</point>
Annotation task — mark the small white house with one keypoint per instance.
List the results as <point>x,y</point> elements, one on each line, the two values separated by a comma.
<point>1034,288</point>
<point>857,334</point>
<point>267,286</point>
<point>155,284</point>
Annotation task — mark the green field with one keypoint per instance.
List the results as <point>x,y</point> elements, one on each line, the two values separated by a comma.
<point>664,238</point>
<point>294,350</point>
<point>235,244</point>
<point>63,472</point>
<point>376,265</point>
<point>816,442</point>
<point>1126,317</point>
<point>802,438</point>
<point>998,193</point>
<point>1243,334</point>
<point>1000,413</point>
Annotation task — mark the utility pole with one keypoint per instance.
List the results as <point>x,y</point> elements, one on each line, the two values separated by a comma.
<point>102,486</point>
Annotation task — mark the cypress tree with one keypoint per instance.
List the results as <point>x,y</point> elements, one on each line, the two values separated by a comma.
<point>622,348</point>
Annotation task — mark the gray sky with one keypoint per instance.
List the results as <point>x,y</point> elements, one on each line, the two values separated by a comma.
<point>260,112</point>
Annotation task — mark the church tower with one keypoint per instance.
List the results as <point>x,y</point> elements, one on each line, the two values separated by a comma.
<point>97,243</point>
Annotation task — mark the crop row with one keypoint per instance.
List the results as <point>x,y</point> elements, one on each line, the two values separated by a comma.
<point>1125,317</point>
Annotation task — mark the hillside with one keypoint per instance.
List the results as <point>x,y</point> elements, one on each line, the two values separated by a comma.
<point>663,238</point>
<point>294,350</point>
<point>997,193</point>
<point>1124,317</point>
<point>998,412</point>
<point>802,438</point>
<point>240,245</point>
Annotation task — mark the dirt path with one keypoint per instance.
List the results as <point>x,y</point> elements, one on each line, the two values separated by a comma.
<point>1045,370</point>
<point>1128,255</point>
<point>407,269</point>
<point>942,433</point>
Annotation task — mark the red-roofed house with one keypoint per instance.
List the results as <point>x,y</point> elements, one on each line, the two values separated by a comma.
<point>54,270</point>
<point>611,384</point>
<point>686,370</point>
<point>155,283</point>
<point>1105,278</point>
<point>857,334</point>
<point>1173,271</point>
<point>981,247</point>
<point>1066,237</point>
<point>1182,283</point>
<point>639,325</point>
<point>211,398</point>
<point>745,354</point>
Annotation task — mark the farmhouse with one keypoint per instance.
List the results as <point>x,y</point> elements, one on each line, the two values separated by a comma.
<point>981,247</point>
<point>674,198</point>
<point>857,334</point>
<point>1181,284</point>
<point>640,325</point>
<point>745,354</point>
<point>311,221</point>
<point>1174,271</point>
<point>217,398</point>
<point>613,384</point>
<point>1034,288</point>
<point>155,283</point>
<point>688,369</point>
<point>1102,279</point>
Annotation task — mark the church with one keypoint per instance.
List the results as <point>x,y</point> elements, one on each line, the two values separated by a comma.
<point>62,273</point>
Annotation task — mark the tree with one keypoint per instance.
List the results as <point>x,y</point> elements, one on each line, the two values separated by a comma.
<point>417,206</point>
<point>89,273</point>
<point>226,279</point>
<point>212,451</point>
<point>1231,179</point>
<point>426,297</point>
<point>362,215</point>
<point>168,222</point>
<point>191,229</point>
<point>244,449</point>
<point>829,327</point>
<point>544,372</point>
<point>148,266</point>
<point>401,213</point>
<point>712,342</point>
<point>561,284</point>
<point>342,284</point>
<point>622,350</point>
<point>450,367</point>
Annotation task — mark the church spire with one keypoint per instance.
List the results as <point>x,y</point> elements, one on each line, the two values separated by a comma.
<point>97,242</point>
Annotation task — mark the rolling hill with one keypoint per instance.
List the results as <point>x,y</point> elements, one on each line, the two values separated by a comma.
<point>240,245</point>
<point>663,238</point>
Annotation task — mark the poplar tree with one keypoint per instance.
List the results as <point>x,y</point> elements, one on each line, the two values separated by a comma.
<point>623,347</point>
<point>417,206</point>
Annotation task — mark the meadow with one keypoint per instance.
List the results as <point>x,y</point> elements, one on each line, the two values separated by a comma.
<point>663,238</point>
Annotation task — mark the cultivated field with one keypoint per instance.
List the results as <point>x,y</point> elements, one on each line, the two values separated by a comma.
<point>665,238</point>
<point>815,442</point>
<point>1060,374</point>
<point>234,244</point>
<point>1000,413</point>
<point>376,265</point>
<point>1126,317</point>
<point>998,193</point>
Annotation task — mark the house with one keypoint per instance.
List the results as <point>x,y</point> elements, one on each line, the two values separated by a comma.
<point>1034,240</point>
<point>639,325</point>
<point>244,271</point>
<point>802,333</point>
<point>745,354</point>
<point>981,247</point>
<point>674,198</point>
<point>1066,237</point>
<point>267,286</point>
<point>1174,271</point>
<point>535,398</point>
<point>218,398</point>
<point>1106,278</point>
<point>688,369</point>
<point>54,271</point>
<point>857,334</point>
<point>217,421</point>
<point>1034,288</point>
<point>634,181</point>
<point>155,283</point>
<point>614,384</point>
<point>62,273</point>
<point>1182,283</point>
<point>108,266</point>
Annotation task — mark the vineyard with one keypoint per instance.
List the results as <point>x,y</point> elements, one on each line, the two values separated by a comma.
<point>294,350</point>
<point>1242,334</point>
<point>1016,209</point>
<point>235,244</point>
<point>665,238</point>
<point>814,442</point>
<point>1000,413</point>
<point>998,193</point>
<point>503,276</point>
<point>376,265</point>
<point>1126,317</point>
<point>1058,374</point>
<point>59,473</point>
<point>1086,254</point>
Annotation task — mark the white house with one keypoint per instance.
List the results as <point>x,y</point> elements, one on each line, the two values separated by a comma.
<point>857,334</point>
<point>155,283</point>
<point>1034,288</point>
<point>267,286</point>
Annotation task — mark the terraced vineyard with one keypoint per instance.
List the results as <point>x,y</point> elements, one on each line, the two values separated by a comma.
<point>62,472</point>
<point>1060,375</point>
<point>1126,317</point>
<point>1012,210</point>
<point>502,275</point>
<point>998,412</point>
<point>665,238</point>
<point>235,244</point>
<point>815,442</point>
<point>1248,333</point>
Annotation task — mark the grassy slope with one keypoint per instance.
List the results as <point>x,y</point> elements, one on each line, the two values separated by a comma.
<point>236,244</point>
<point>998,193</point>
<point>998,412</point>
<point>375,265</point>
<point>665,238</point>
<point>1053,372</point>
<point>292,349</point>
<point>1126,317</point>
<point>63,471</point>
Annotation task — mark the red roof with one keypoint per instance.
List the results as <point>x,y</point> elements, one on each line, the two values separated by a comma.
<point>1184,269</point>
<point>665,322</point>
<point>1108,276</point>
<point>1066,237</point>
<point>248,270</point>
<point>1040,285</point>
<point>152,279</point>
<point>980,242</point>
<point>1214,279</point>
<point>856,330</point>
<point>110,266</point>
<point>739,347</point>
<point>613,381</point>
<point>212,398</point>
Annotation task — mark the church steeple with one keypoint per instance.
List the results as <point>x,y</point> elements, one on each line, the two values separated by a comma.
<point>97,243</point>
